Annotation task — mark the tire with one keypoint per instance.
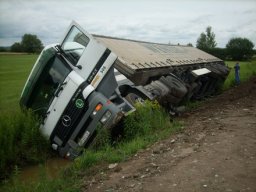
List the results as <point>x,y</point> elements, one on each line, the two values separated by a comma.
<point>133,99</point>
<point>165,96</point>
<point>162,93</point>
<point>192,89</point>
<point>215,72</point>
<point>161,88</point>
<point>222,68</point>
<point>176,86</point>
<point>172,100</point>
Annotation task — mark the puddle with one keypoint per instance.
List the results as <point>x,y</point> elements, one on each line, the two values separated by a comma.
<point>51,168</point>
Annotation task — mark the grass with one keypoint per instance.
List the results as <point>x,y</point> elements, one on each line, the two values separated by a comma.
<point>14,70</point>
<point>44,185</point>
<point>247,69</point>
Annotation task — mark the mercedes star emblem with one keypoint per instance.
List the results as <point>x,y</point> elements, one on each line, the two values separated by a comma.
<point>66,120</point>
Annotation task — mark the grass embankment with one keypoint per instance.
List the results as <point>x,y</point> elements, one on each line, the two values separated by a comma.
<point>147,125</point>
<point>21,142</point>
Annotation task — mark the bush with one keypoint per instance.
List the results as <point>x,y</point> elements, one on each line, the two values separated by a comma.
<point>218,52</point>
<point>20,140</point>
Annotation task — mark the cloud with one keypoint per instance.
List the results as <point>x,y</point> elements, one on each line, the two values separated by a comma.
<point>156,21</point>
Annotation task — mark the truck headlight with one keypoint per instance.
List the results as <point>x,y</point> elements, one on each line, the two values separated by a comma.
<point>105,117</point>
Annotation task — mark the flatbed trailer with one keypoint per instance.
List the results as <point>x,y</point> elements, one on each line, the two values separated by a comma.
<point>143,61</point>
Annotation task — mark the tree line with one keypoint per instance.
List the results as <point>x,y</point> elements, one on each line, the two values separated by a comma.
<point>236,49</point>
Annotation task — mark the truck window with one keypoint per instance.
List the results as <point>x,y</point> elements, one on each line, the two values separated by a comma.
<point>48,82</point>
<point>74,44</point>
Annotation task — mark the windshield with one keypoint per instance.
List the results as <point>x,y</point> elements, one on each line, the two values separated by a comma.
<point>74,44</point>
<point>48,82</point>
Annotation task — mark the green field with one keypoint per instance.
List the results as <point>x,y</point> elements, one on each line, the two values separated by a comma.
<point>14,70</point>
<point>247,69</point>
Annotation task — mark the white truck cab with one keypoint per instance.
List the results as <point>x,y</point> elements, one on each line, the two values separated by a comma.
<point>63,88</point>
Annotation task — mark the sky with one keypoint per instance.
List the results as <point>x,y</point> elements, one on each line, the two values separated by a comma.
<point>162,21</point>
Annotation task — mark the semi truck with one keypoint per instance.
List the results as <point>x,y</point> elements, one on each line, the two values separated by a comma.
<point>89,81</point>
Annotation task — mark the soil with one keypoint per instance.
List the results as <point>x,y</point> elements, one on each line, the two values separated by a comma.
<point>216,151</point>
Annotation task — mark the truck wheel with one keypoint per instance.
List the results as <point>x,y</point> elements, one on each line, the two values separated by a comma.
<point>133,98</point>
<point>214,72</point>
<point>192,89</point>
<point>177,87</point>
<point>222,68</point>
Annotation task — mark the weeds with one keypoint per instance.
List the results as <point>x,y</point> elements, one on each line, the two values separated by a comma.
<point>20,140</point>
<point>148,119</point>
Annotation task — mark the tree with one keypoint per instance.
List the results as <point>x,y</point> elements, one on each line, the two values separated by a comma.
<point>206,40</point>
<point>190,45</point>
<point>240,48</point>
<point>218,52</point>
<point>201,42</point>
<point>16,47</point>
<point>31,44</point>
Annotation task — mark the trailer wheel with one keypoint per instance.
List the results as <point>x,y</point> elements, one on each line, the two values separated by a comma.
<point>176,86</point>
<point>215,72</point>
<point>133,98</point>
<point>163,94</point>
<point>172,99</point>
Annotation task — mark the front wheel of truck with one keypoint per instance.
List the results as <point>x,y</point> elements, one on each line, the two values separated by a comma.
<point>133,98</point>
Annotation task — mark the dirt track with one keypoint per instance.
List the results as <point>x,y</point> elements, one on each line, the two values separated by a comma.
<point>215,152</point>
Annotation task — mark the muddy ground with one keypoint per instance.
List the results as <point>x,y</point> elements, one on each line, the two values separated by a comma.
<point>216,151</point>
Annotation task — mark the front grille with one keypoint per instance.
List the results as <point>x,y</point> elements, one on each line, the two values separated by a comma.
<point>70,118</point>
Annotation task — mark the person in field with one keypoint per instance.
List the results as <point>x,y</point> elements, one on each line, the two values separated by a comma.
<point>237,73</point>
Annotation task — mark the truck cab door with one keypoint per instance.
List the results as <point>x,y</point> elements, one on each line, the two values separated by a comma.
<point>91,60</point>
